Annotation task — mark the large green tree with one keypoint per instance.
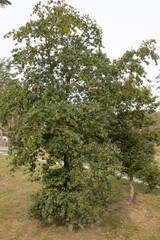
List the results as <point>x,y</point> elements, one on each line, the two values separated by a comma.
<point>59,72</point>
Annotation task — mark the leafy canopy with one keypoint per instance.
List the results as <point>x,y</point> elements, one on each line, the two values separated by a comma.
<point>59,72</point>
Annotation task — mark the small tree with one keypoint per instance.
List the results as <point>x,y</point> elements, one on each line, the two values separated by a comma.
<point>150,174</point>
<point>61,68</point>
<point>134,105</point>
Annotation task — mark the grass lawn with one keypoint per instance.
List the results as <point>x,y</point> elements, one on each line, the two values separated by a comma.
<point>138,221</point>
<point>4,151</point>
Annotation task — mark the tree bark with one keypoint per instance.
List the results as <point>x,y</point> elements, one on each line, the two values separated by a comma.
<point>67,168</point>
<point>131,189</point>
<point>150,187</point>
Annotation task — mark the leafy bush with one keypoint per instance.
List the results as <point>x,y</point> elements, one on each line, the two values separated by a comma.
<point>150,174</point>
<point>82,203</point>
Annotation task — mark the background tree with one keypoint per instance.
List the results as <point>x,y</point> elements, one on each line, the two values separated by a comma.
<point>134,106</point>
<point>156,125</point>
<point>5,80</point>
<point>150,174</point>
<point>5,75</point>
<point>59,71</point>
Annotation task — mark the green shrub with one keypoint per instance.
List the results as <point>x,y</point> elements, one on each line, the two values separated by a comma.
<point>82,203</point>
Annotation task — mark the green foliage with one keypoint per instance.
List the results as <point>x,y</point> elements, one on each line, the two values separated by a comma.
<point>5,75</point>
<point>60,73</point>
<point>134,106</point>
<point>4,2</point>
<point>156,125</point>
<point>6,79</point>
<point>150,174</point>
<point>157,148</point>
<point>86,198</point>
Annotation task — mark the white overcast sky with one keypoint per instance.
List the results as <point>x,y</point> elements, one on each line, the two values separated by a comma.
<point>125,23</point>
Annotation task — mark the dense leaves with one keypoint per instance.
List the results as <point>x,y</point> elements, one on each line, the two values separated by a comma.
<point>156,125</point>
<point>5,75</point>
<point>61,70</point>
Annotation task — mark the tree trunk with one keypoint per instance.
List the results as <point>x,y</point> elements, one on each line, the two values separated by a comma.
<point>67,168</point>
<point>131,189</point>
<point>66,182</point>
<point>150,187</point>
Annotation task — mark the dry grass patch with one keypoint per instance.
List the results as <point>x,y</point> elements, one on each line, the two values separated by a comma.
<point>123,221</point>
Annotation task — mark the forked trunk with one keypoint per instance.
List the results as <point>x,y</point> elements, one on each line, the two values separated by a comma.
<point>131,189</point>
